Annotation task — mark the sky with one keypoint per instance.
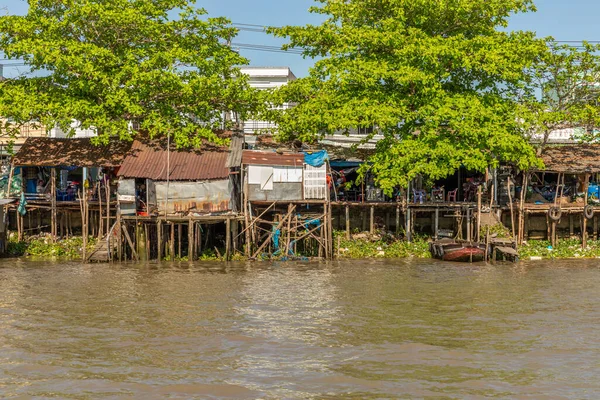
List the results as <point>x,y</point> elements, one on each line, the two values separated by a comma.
<point>562,19</point>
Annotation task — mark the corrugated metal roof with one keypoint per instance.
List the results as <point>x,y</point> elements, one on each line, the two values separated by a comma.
<point>251,157</point>
<point>235,151</point>
<point>580,158</point>
<point>52,152</point>
<point>149,160</point>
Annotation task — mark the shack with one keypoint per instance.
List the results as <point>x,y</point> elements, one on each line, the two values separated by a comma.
<point>178,202</point>
<point>272,176</point>
<point>560,199</point>
<point>66,182</point>
<point>154,181</point>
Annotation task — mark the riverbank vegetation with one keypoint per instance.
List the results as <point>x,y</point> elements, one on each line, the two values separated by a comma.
<point>43,246</point>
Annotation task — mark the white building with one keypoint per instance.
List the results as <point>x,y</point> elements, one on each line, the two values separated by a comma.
<point>264,78</point>
<point>79,132</point>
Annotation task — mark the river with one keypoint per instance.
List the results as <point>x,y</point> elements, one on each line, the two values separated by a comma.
<point>351,329</point>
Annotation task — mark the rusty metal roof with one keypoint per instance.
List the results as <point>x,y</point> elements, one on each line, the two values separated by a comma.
<point>148,160</point>
<point>54,152</point>
<point>575,159</point>
<point>251,157</point>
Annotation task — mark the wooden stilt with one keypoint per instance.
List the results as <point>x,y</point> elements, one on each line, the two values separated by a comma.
<point>347,222</point>
<point>527,227</point>
<point>199,246</point>
<point>100,219</point>
<point>477,233</point>
<point>172,242</point>
<point>436,223</point>
<point>227,239</point>
<point>119,237</point>
<point>179,232</point>
<point>146,241</point>
<point>512,213</point>
<point>571,226</point>
<point>372,221</point>
<point>469,223</point>
<point>408,227</point>
<point>53,206</point>
<point>584,222</point>
<point>159,240</point>
<point>191,240</point>
<point>595,227</point>
<point>398,220</point>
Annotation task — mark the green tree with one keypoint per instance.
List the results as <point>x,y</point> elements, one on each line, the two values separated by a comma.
<point>565,91</point>
<point>160,64</point>
<point>439,79</point>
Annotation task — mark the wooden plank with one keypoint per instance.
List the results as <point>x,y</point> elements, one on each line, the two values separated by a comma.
<point>134,253</point>
<point>507,250</point>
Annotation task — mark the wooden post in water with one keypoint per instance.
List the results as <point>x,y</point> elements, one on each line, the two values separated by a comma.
<point>172,242</point>
<point>159,239</point>
<point>477,233</point>
<point>119,237</point>
<point>398,220</point>
<point>436,223</point>
<point>191,239</point>
<point>512,213</point>
<point>585,203</point>
<point>408,229</point>
<point>227,239</point>
<point>53,203</point>
<point>469,223</point>
<point>347,222</point>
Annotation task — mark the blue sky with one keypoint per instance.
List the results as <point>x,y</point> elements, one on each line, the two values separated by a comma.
<point>563,19</point>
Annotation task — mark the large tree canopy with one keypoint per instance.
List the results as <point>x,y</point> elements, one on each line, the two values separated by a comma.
<point>566,91</point>
<point>160,64</point>
<point>440,79</point>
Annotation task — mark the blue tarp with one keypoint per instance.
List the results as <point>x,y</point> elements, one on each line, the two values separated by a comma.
<point>594,191</point>
<point>316,158</point>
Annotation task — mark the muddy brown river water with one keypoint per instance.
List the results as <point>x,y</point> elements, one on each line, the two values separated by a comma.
<point>355,329</point>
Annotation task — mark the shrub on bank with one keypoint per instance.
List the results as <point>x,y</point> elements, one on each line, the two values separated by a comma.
<point>566,248</point>
<point>43,246</point>
<point>379,247</point>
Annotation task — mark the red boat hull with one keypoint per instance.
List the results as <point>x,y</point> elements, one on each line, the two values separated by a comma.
<point>464,254</point>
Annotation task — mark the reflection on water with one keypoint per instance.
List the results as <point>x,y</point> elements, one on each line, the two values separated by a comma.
<point>362,329</point>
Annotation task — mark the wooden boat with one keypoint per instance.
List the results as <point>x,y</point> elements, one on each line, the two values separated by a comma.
<point>460,251</point>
